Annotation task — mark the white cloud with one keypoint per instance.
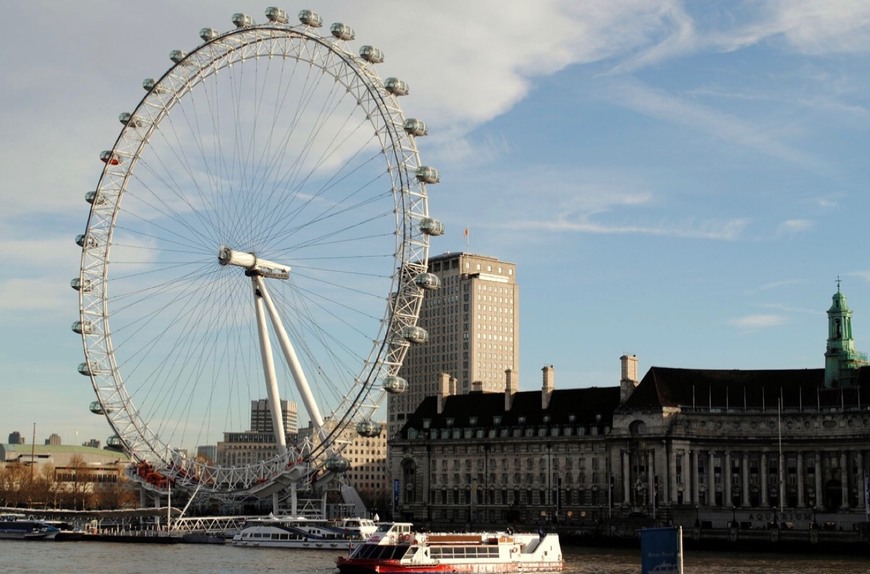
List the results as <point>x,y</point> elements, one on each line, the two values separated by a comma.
<point>755,322</point>
<point>794,226</point>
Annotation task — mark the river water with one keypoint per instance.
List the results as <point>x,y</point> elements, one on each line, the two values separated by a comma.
<point>117,558</point>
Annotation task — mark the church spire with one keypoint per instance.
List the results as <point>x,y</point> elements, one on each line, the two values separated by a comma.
<point>841,359</point>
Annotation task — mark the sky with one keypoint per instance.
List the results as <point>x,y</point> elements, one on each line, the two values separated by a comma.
<point>683,181</point>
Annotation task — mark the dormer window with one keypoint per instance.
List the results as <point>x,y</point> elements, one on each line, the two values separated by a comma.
<point>427,423</point>
<point>496,420</point>
<point>521,420</point>
<point>448,422</point>
<point>472,421</point>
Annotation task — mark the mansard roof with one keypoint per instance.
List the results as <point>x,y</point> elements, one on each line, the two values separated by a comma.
<point>744,389</point>
<point>579,407</point>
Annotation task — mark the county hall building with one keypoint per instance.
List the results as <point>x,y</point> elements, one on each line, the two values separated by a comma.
<point>680,446</point>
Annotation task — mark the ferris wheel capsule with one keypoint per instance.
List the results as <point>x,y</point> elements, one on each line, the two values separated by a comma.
<point>130,120</point>
<point>431,226</point>
<point>415,127</point>
<point>395,385</point>
<point>177,56</point>
<point>427,281</point>
<point>109,157</point>
<point>242,20</point>
<point>368,428</point>
<point>114,443</point>
<point>97,408</point>
<point>371,54</point>
<point>428,174</point>
<point>337,463</point>
<point>94,198</point>
<point>79,285</point>
<point>276,15</point>
<point>150,84</point>
<point>87,369</point>
<point>342,31</point>
<point>396,86</point>
<point>208,34</point>
<point>310,18</point>
<point>83,327</point>
<point>86,241</point>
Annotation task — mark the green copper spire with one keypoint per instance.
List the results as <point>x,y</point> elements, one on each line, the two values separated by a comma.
<point>841,359</point>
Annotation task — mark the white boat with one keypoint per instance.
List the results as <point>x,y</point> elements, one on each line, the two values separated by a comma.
<point>301,532</point>
<point>397,549</point>
<point>20,527</point>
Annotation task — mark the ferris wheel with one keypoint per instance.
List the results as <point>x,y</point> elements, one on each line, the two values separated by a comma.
<point>260,231</point>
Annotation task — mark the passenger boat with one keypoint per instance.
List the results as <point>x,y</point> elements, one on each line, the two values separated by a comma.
<point>19,527</point>
<point>301,532</point>
<point>397,549</point>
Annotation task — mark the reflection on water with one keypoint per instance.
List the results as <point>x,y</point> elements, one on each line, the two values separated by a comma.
<point>580,560</point>
<point>114,558</point>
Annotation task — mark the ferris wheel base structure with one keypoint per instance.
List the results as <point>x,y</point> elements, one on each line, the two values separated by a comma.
<point>283,151</point>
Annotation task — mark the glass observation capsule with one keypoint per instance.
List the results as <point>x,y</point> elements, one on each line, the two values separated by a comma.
<point>79,285</point>
<point>427,281</point>
<point>368,428</point>
<point>208,34</point>
<point>341,31</point>
<point>428,174</point>
<point>242,20</point>
<point>109,158</point>
<point>278,15</point>
<point>396,86</point>
<point>177,56</point>
<point>83,327</point>
<point>94,199</point>
<point>310,18</point>
<point>415,127</point>
<point>371,54</point>
<point>395,384</point>
<point>431,226</point>
<point>414,334</point>
<point>337,463</point>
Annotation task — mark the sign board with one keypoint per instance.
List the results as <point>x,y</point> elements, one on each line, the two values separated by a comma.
<point>661,550</point>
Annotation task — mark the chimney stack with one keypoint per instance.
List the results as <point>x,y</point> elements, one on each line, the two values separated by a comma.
<point>510,387</point>
<point>477,387</point>
<point>444,387</point>
<point>548,386</point>
<point>628,377</point>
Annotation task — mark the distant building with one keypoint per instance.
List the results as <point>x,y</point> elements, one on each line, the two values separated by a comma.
<point>261,416</point>
<point>53,439</point>
<point>259,443</point>
<point>207,452</point>
<point>473,324</point>
<point>93,443</point>
<point>99,465</point>
<point>16,438</point>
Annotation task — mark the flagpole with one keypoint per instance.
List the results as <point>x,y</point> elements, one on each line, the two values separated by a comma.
<point>467,241</point>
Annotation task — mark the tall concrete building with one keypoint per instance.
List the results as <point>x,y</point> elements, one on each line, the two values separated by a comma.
<point>261,416</point>
<point>473,325</point>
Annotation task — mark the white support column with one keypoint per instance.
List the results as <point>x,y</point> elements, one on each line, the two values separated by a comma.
<point>763,464</point>
<point>650,474</point>
<point>695,476</point>
<point>818,485</point>
<point>269,368</point>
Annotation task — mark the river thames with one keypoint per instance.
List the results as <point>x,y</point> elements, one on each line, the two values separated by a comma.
<point>119,558</point>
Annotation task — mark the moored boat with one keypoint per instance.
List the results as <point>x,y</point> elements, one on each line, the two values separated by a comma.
<point>297,532</point>
<point>19,527</point>
<point>397,549</point>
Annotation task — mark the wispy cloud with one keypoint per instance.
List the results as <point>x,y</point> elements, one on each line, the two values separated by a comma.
<point>794,226</point>
<point>756,322</point>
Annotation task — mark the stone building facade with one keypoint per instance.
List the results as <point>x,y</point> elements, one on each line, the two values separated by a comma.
<point>678,445</point>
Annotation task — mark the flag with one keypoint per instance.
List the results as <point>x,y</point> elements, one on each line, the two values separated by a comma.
<point>466,232</point>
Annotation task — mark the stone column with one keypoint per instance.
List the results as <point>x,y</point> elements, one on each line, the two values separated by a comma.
<point>650,475</point>
<point>818,479</point>
<point>763,464</point>
<point>711,480</point>
<point>695,475</point>
<point>626,478</point>
<point>726,484</point>
<point>780,479</point>
<point>859,461</point>
<point>672,475</point>
<point>744,468</point>
<point>844,479</point>
<point>800,480</point>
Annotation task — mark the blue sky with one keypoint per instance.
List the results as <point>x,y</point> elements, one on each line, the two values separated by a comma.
<point>681,181</point>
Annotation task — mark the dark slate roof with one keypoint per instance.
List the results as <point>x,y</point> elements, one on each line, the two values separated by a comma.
<point>590,407</point>
<point>702,388</point>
